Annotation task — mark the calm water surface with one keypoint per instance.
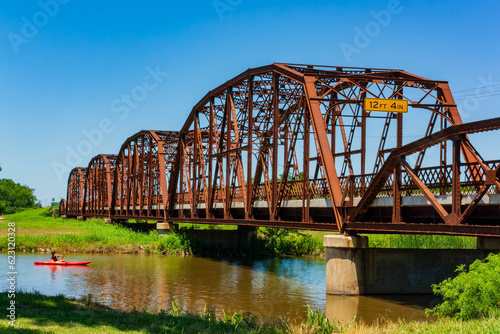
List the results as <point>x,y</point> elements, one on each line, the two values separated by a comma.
<point>272,287</point>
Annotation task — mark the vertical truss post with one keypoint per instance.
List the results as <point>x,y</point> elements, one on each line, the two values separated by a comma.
<point>163,186</point>
<point>352,189</point>
<point>195,166</point>
<point>210,200</point>
<point>275,108</point>
<point>151,174</point>
<point>456,191</point>
<point>248,204</point>
<point>109,178</point>
<point>306,197</point>
<point>182,161</point>
<point>363,136</point>
<point>141,175</point>
<point>396,184</point>
<point>82,192</point>
<point>227,202</point>
<point>442,162</point>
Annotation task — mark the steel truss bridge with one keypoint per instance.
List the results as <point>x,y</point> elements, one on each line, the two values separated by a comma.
<point>292,146</point>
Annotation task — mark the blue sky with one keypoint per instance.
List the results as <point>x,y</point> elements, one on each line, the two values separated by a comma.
<point>66,65</point>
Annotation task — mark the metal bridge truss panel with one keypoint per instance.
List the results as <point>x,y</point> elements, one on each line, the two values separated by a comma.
<point>99,185</point>
<point>455,180</point>
<point>282,135</point>
<point>62,207</point>
<point>76,189</point>
<point>141,174</point>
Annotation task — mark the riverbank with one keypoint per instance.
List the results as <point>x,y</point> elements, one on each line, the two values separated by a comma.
<point>36,313</point>
<point>37,231</point>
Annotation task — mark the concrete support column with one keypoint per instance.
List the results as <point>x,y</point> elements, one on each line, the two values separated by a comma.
<point>345,264</point>
<point>164,228</point>
<point>80,218</point>
<point>486,243</point>
<point>108,220</point>
<point>245,234</point>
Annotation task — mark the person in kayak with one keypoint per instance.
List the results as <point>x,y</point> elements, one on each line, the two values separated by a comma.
<point>55,257</point>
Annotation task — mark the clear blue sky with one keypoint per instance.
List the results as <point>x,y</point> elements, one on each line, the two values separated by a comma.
<point>66,65</point>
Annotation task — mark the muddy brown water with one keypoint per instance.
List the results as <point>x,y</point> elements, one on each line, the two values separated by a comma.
<point>266,288</point>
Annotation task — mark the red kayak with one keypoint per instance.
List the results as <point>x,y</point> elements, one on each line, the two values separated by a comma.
<point>63,263</point>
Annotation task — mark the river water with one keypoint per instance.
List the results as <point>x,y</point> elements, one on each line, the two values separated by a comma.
<point>266,288</point>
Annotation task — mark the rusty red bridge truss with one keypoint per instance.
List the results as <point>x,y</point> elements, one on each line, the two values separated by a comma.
<point>293,146</point>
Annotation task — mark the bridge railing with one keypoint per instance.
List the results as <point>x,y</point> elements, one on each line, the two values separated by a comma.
<point>437,179</point>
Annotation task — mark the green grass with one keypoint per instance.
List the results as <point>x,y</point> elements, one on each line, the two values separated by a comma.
<point>42,314</point>
<point>35,231</point>
<point>421,241</point>
<point>188,226</point>
<point>413,241</point>
<point>37,313</point>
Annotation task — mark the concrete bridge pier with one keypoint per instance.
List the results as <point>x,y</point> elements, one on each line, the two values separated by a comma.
<point>354,269</point>
<point>345,264</point>
<point>164,228</point>
<point>492,244</point>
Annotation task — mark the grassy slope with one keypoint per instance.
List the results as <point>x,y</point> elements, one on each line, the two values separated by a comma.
<point>414,241</point>
<point>35,230</point>
<point>41,314</point>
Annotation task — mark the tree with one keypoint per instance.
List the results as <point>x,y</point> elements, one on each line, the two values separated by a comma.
<point>14,197</point>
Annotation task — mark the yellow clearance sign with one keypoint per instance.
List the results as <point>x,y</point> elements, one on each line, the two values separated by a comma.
<point>386,105</point>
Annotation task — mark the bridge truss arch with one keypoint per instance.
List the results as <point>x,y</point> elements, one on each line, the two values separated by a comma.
<point>62,207</point>
<point>142,172</point>
<point>99,185</point>
<point>76,192</point>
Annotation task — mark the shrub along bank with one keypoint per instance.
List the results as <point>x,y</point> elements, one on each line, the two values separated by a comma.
<point>474,293</point>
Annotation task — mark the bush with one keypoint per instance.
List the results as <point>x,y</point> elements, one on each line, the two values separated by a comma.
<point>283,241</point>
<point>472,294</point>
